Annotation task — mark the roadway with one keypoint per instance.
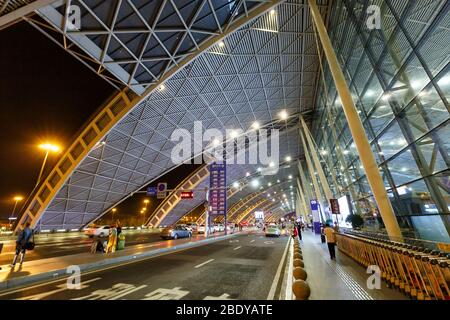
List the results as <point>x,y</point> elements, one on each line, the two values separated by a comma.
<point>52,245</point>
<point>245,267</point>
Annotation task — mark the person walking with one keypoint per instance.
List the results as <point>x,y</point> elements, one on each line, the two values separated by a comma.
<point>112,240</point>
<point>23,243</point>
<point>331,240</point>
<point>299,230</point>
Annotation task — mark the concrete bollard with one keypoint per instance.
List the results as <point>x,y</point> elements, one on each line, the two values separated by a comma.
<point>300,274</point>
<point>301,290</point>
<point>298,255</point>
<point>298,263</point>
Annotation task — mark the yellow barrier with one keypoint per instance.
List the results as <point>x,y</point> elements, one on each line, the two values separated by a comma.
<point>420,273</point>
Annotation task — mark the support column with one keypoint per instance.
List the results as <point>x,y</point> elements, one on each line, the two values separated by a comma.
<point>312,149</point>
<point>357,129</point>
<point>316,186</point>
<point>301,198</point>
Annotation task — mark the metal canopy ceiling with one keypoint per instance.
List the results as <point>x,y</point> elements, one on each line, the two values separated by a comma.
<point>265,66</point>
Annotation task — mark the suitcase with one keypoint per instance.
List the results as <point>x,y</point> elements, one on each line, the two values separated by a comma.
<point>120,244</point>
<point>322,237</point>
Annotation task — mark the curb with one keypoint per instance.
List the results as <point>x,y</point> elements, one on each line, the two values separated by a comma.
<point>62,273</point>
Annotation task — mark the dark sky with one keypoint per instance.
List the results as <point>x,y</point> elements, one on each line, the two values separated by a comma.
<point>45,93</point>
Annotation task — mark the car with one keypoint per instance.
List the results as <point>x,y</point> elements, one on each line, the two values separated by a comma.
<point>176,232</point>
<point>101,231</point>
<point>192,226</point>
<point>219,228</point>
<point>272,230</point>
<point>201,229</point>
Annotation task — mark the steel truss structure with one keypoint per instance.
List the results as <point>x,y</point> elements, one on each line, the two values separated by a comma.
<point>226,73</point>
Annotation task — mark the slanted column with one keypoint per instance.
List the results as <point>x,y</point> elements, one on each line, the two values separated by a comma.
<point>356,128</point>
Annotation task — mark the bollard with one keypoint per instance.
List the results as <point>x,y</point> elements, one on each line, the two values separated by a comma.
<point>300,273</point>
<point>297,255</point>
<point>301,290</point>
<point>298,263</point>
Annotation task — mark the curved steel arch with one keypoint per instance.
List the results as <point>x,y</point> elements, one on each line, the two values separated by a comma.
<point>96,130</point>
<point>211,87</point>
<point>174,197</point>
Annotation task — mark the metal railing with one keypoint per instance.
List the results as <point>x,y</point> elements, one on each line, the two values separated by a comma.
<point>419,272</point>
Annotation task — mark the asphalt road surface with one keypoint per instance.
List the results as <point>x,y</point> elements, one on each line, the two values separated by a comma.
<point>244,267</point>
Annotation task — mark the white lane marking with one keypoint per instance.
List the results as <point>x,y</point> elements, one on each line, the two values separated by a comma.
<point>202,264</point>
<point>278,274</point>
<point>237,248</point>
<point>62,287</point>
<point>128,292</point>
<point>268,242</point>
<point>252,241</point>
<point>233,241</point>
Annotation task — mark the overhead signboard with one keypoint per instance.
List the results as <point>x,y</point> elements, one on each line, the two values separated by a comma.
<point>217,191</point>
<point>334,206</point>
<point>161,190</point>
<point>187,195</point>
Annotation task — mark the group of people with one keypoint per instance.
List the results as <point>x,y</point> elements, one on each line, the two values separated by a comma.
<point>101,245</point>
<point>328,234</point>
<point>24,242</point>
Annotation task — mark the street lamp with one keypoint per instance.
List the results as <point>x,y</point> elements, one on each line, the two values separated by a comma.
<point>47,147</point>
<point>113,212</point>
<point>16,199</point>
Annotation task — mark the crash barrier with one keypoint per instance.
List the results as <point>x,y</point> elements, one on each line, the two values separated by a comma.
<point>418,272</point>
<point>300,287</point>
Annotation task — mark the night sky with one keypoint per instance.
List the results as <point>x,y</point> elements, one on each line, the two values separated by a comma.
<point>45,93</point>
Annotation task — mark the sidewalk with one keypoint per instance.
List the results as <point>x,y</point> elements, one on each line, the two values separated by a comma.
<point>342,279</point>
<point>54,268</point>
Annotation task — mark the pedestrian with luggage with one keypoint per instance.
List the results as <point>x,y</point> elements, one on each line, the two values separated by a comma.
<point>331,240</point>
<point>112,240</point>
<point>24,242</point>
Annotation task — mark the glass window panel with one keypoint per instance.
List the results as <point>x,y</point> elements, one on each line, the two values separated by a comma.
<point>403,168</point>
<point>435,149</point>
<point>419,17</point>
<point>409,84</point>
<point>442,180</point>
<point>380,118</point>
<point>372,94</point>
<point>444,84</point>
<point>392,141</point>
<point>417,198</point>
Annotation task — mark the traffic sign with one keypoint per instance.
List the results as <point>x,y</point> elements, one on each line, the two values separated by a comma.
<point>161,190</point>
<point>335,206</point>
<point>187,195</point>
<point>152,191</point>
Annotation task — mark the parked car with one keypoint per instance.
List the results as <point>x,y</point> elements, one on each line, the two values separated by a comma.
<point>176,232</point>
<point>272,230</point>
<point>193,227</point>
<point>201,229</point>
<point>219,228</point>
<point>101,231</point>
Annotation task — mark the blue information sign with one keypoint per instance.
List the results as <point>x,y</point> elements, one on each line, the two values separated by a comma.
<point>218,191</point>
<point>152,191</point>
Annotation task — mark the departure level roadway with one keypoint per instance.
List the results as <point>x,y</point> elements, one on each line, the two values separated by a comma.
<point>55,246</point>
<point>243,267</point>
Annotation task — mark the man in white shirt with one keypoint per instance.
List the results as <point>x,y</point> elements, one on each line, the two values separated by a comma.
<point>331,240</point>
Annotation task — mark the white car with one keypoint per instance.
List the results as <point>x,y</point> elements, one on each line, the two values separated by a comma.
<point>272,230</point>
<point>219,228</point>
<point>102,231</point>
<point>201,229</point>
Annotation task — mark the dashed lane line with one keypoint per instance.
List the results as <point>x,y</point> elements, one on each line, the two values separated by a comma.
<point>237,248</point>
<point>202,264</point>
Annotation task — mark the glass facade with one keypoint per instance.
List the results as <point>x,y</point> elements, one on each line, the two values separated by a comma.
<point>399,76</point>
